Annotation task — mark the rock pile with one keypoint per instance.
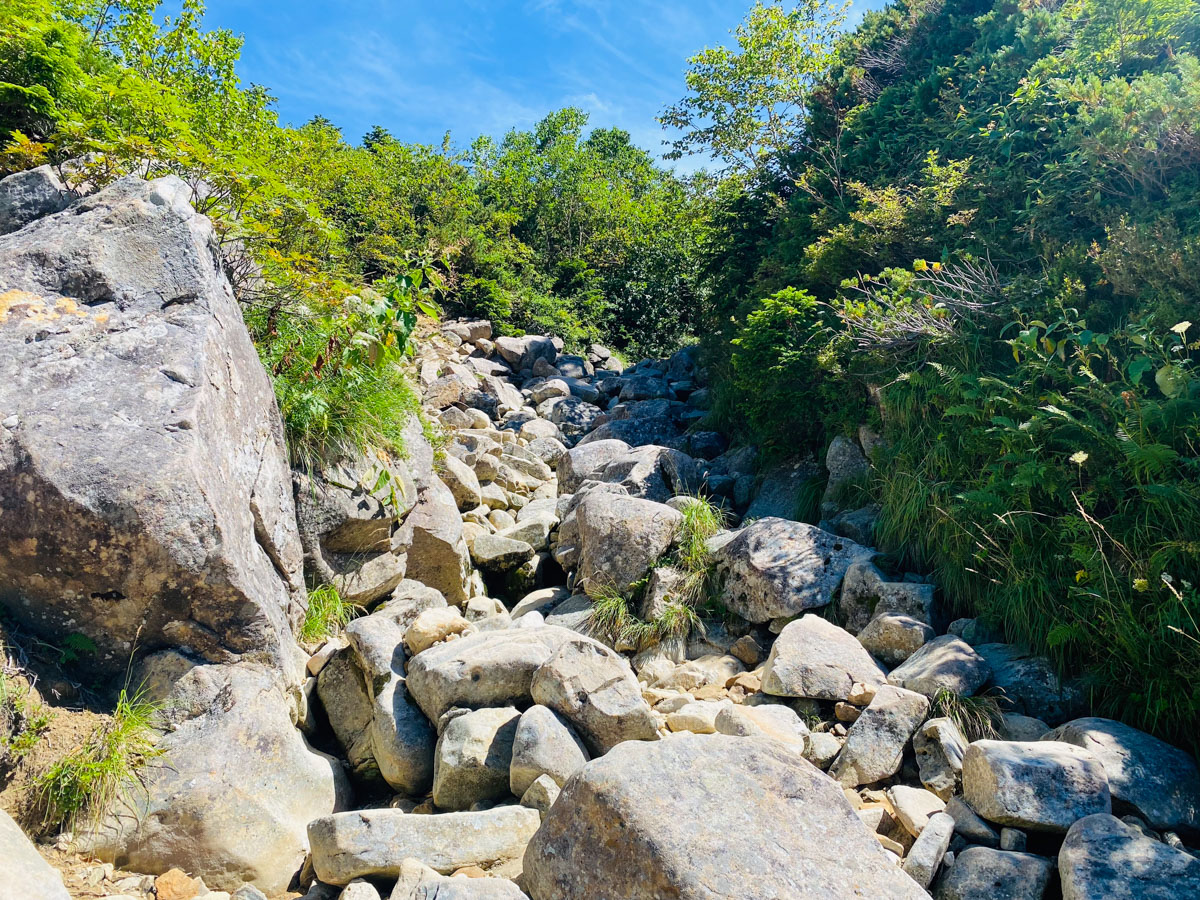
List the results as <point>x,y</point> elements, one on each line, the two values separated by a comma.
<point>484,737</point>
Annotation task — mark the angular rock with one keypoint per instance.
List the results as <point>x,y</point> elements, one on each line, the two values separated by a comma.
<point>875,744</point>
<point>240,788</point>
<point>348,505</point>
<point>437,553</point>
<point>373,843</point>
<point>914,807</point>
<point>892,638</point>
<point>816,659</point>
<point>585,461</point>
<point>969,825</point>
<point>653,473</point>
<point>522,352</point>
<point>492,668</point>
<point>143,474</point>
<point>347,702</point>
<point>780,491</point>
<point>1040,785</point>
<point>462,482</point>
<point>705,816</point>
<point>980,873</point>
<point>544,745</point>
<point>846,464</point>
<point>620,538</point>
<point>866,593</point>
<point>594,689</point>
<point>774,567</point>
<point>541,794</point>
<point>659,430</point>
<point>1146,776</point>
<point>698,716</point>
<point>494,553</point>
<point>940,747</point>
<point>1102,858</point>
<point>473,757</point>
<point>26,875</point>
<point>402,740</point>
<point>1030,685</point>
<point>30,195</point>
<point>945,663</point>
<point>433,626</point>
<point>925,855</point>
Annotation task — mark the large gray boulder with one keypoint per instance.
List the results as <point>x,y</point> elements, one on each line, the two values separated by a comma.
<point>346,699</point>
<point>705,816</point>
<point>1102,858</point>
<point>544,745</point>
<point>945,663</point>
<point>584,462</point>
<point>235,790</point>
<point>653,473</point>
<point>373,843</point>
<point>620,539</point>
<point>492,668</point>
<point>1039,785</point>
<point>814,658</point>
<point>1147,777</point>
<point>875,745</point>
<point>30,195</point>
<point>981,873</point>
<point>775,567</point>
<point>866,593</point>
<point>523,352</point>
<point>419,882</point>
<point>594,689</point>
<point>473,757</point>
<point>779,493</point>
<point>144,484</point>
<point>1030,685</point>
<point>26,875</point>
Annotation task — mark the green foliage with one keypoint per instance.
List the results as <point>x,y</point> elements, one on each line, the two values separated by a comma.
<point>23,719</point>
<point>326,616</point>
<point>84,785</point>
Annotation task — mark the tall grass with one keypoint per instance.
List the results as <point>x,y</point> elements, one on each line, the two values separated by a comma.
<point>326,616</point>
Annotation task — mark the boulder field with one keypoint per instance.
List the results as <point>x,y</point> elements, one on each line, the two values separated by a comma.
<point>477,732</point>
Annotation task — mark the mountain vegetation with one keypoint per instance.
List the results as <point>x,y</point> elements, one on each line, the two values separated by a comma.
<point>973,225</point>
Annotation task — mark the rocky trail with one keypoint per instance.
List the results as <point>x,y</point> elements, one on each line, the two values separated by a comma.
<point>481,731</point>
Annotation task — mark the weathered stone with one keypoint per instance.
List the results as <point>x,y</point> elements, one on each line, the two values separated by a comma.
<point>1015,727</point>
<point>980,873</point>
<point>652,473</point>
<point>875,744</point>
<point>1102,858</point>
<point>585,461</point>
<point>697,673</point>
<point>698,716</point>
<point>914,807</point>
<point>574,613</point>
<point>437,553</point>
<point>892,638</point>
<point>31,195</point>
<point>774,567</point>
<point>339,503</point>
<point>1030,685</point>
<point>473,757</point>
<point>638,432</point>
<point>620,538</point>
<point>541,794</point>
<point>494,553</point>
<point>846,464</point>
<point>945,663</point>
<point>926,853</point>
<point>402,740</point>
<point>814,658</point>
<point>1041,785</point>
<point>359,890</point>
<point>419,882</point>
<point>143,475</point>
<point>968,823</point>
<point>544,745</point>
<point>866,593</point>
<point>821,748</point>
<point>522,352</point>
<point>433,626</point>
<point>594,689</point>
<point>774,721</point>
<point>26,875</point>
<point>492,668</point>
<point>462,482</point>
<point>705,816</point>
<point>939,747</point>
<point>779,494</point>
<point>239,787</point>
<point>372,843</point>
<point>542,601</point>
<point>347,703</point>
<point>1146,776</point>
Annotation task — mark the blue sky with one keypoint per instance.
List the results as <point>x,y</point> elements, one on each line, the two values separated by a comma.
<point>475,66</point>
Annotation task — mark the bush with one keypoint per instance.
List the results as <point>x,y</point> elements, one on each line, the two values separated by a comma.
<point>785,364</point>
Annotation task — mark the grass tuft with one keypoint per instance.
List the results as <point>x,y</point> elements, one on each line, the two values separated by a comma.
<point>978,717</point>
<point>326,616</point>
<point>83,786</point>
